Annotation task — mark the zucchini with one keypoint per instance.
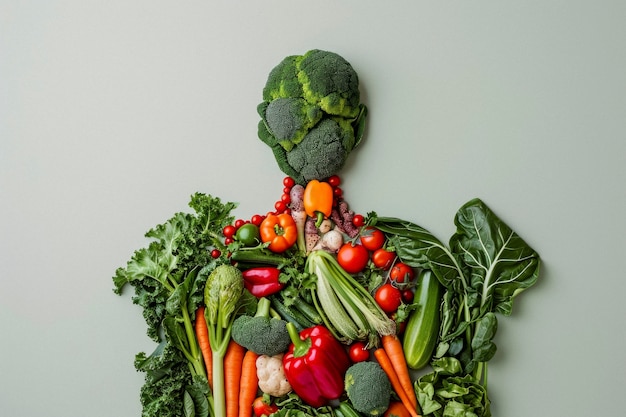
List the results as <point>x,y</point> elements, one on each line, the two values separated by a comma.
<point>422,327</point>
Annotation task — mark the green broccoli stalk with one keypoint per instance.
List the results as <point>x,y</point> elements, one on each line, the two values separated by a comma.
<point>368,388</point>
<point>265,333</point>
<point>311,115</point>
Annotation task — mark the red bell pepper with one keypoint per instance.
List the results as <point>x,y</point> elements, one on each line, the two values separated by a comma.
<point>262,281</point>
<point>315,365</point>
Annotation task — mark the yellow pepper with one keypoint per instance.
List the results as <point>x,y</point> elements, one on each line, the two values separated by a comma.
<point>318,200</point>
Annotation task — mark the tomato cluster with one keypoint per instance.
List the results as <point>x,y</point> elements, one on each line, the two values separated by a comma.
<point>372,250</point>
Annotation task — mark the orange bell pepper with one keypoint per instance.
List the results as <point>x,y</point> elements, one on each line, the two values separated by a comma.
<point>279,230</point>
<point>318,200</point>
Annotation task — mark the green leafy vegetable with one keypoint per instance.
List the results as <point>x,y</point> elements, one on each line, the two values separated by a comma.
<point>484,268</point>
<point>169,277</point>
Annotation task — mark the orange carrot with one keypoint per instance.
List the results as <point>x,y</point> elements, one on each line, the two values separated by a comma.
<point>233,361</point>
<point>202,334</point>
<point>385,363</point>
<point>249,385</point>
<point>395,352</point>
<point>397,409</point>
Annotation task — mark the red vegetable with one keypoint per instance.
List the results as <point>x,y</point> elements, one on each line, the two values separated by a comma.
<point>315,365</point>
<point>262,281</point>
<point>358,352</point>
<point>372,238</point>
<point>382,258</point>
<point>352,258</point>
<point>388,298</point>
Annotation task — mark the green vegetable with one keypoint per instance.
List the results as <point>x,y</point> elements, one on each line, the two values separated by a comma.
<point>223,291</point>
<point>311,115</point>
<point>485,267</point>
<point>168,282</point>
<point>422,327</point>
<point>347,309</point>
<point>368,387</point>
<point>261,333</point>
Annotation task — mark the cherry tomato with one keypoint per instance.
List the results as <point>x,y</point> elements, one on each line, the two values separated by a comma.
<point>407,295</point>
<point>280,206</point>
<point>388,298</point>
<point>285,198</point>
<point>215,253</point>
<point>229,231</point>
<point>228,240</point>
<point>334,181</point>
<point>248,234</point>
<point>358,220</point>
<point>401,273</point>
<point>261,408</point>
<point>358,352</point>
<point>257,219</point>
<point>372,238</point>
<point>289,182</point>
<point>352,258</point>
<point>337,192</point>
<point>382,258</point>
<point>239,223</point>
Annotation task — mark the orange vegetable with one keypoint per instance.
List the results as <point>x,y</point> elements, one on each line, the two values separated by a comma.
<point>395,352</point>
<point>383,359</point>
<point>279,230</point>
<point>202,335</point>
<point>249,384</point>
<point>397,409</point>
<point>318,200</point>
<point>233,361</point>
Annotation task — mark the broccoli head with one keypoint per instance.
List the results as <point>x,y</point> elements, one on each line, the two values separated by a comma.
<point>310,98</point>
<point>261,333</point>
<point>368,388</point>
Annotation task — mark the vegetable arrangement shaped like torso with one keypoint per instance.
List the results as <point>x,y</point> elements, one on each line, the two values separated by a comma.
<point>313,309</point>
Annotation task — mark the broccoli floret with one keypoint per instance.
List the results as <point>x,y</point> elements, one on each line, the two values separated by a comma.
<point>368,388</point>
<point>262,333</point>
<point>323,150</point>
<point>309,98</point>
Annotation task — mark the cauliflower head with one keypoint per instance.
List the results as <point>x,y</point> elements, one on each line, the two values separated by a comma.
<point>311,114</point>
<point>271,375</point>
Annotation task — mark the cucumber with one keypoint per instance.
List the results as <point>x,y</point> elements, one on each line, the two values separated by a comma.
<point>422,327</point>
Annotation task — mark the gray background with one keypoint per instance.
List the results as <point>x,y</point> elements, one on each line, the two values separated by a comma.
<point>112,113</point>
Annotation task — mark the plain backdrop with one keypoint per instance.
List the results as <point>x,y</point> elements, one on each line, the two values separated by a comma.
<point>112,113</point>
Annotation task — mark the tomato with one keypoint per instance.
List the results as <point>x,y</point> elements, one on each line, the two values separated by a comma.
<point>257,219</point>
<point>337,192</point>
<point>352,258</point>
<point>358,352</point>
<point>248,234</point>
<point>372,238</point>
<point>280,206</point>
<point>382,258</point>
<point>229,231</point>
<point>216,253</point>
<point>408,295</point>
<point>388,298</point>
<point>261,408</point>
<point>289,182</point>
<point>401,273</point>
<point>358,220</point>
<point>334,181</point>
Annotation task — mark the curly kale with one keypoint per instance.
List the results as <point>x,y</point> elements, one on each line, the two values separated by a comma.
<point>311,114</point>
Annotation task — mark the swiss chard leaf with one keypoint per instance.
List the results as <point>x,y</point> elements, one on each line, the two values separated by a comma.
<point>501,264</point>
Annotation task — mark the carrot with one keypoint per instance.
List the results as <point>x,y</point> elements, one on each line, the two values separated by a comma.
<point>249,384</point>
<point>385,362</point>
<point>233,361</point>
<point>397,409</point>
<point>395,352</point>
<point>202,334</point>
